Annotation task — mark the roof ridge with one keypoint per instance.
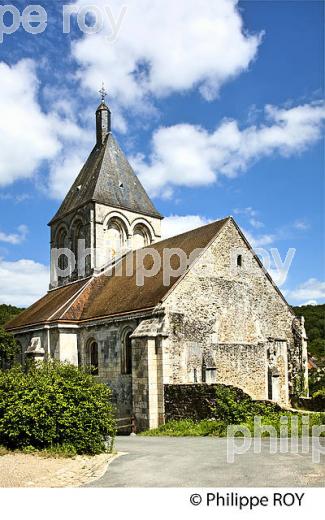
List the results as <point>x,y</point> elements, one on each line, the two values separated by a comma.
<point>72,300</point>
<point>73,282</point>
<point>191,231</point>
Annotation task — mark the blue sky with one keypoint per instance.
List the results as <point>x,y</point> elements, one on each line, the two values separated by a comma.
<point>217,105</point>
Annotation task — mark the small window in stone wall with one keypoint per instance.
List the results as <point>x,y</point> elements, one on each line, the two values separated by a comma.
<point>126,358</point>
<point>92,355</point>
<point>239,260</point>
<point>195,380</point>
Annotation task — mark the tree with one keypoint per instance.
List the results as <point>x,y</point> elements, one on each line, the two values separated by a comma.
<point>8,348</point>
<point>7,312</point>
<point>315,327</point>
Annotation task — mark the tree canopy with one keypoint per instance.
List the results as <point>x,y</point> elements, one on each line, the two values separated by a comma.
<point>315,328</point>
<point>7,312</point>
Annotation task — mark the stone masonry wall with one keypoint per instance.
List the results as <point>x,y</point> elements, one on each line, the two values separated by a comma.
<point>218,303</point>
<point>109,340</point>
<point>83,215</point>
<point>129,219</point>
<point>243,366</point>
<point>140,382</point>
<point>193,401</point>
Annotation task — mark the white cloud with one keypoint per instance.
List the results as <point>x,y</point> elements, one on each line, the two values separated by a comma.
<point>165,47</point>
<point>301,225</point>
<point>15,238</point>
<point>186,155</point>
<point>255,223</point>
<point>29,136</point>
<point>311,289</point>
<point>20,197</point>
<point>251,214</point>
<point>263,240</point>
<point>22,282</point>
<point>177,224</point>
<point>26,133</point>
<point>64,170</point>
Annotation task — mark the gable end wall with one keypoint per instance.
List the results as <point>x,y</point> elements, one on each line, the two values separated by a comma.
<point>224,316</point>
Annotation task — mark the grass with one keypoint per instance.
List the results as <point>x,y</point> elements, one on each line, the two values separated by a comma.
<point>57,452</point>
<point>189,428</point>
<point>232,406</point>
<point>3,451</point>
<point>211,427</point>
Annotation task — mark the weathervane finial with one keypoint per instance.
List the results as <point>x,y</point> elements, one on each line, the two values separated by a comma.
<point>103,92</point>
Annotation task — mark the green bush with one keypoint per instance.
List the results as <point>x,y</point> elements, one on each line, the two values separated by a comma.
<point>318,400</point>
<point>8,349</point>
<point>316,380</point>
<point>233,406</point>
<point>54,406</point>
<point>319,393</point>
<point>210,427</point>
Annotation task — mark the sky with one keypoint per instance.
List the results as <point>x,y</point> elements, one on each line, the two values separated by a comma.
<point>219,106</point>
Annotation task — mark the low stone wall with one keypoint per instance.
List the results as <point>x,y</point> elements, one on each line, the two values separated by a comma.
<point>192,401</point>
<point>316,404</point>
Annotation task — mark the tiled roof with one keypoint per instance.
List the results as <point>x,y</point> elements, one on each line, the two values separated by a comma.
<point>48,306</point>
<point>104,296</point>
<point>108,178</point>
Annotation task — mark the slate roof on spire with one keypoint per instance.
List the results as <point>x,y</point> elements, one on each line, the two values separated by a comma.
<point>107,178</point>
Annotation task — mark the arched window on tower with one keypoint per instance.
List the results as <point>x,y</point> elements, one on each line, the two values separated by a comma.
<point>79,245</point>
<point>61,244</point>
<point>126,353</point>
<point>116,236</point>
<point>141,237</point>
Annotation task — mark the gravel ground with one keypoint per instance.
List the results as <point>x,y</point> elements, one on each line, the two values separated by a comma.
<point>18,470</point>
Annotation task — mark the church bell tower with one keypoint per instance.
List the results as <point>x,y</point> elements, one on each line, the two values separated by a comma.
<point>106,212</point>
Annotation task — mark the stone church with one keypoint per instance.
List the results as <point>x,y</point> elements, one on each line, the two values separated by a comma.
<point>217,318</point>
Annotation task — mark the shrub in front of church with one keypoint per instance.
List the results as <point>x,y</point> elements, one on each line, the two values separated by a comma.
<point>55,406</point>
<point>224,406</point>
<point>233,406</point>
<point>8,348</point>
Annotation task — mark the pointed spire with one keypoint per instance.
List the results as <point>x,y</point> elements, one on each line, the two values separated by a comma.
<point>103,118</point>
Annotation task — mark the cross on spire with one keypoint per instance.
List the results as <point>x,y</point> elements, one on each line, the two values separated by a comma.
<point>103,92</point>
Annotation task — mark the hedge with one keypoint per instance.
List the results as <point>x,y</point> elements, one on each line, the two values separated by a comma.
<point>55,405</point>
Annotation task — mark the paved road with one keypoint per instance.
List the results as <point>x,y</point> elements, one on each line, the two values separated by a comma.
<point>202,462</point>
